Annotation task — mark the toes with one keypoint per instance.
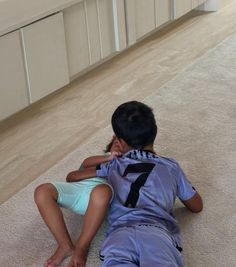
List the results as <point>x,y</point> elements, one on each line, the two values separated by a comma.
<point>50,263</point>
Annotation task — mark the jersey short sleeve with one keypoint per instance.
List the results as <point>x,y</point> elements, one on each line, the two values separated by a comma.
<point>185,190</point>
<point>102,170</point>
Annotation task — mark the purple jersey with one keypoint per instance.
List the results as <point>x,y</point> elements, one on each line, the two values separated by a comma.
<point>145,188</point>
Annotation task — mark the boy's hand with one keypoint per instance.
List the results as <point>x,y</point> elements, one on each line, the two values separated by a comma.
<point>72,176</point>
<point>116,148</point>
<point>113,155</point>
<point>78,175</point>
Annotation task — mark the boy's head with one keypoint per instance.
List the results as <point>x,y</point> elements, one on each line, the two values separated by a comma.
<point>134,122</point>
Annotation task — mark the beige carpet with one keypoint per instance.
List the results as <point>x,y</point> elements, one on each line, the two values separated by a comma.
<point>196,114</point>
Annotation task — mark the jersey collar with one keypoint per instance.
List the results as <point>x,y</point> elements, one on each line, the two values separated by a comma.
<point>138,154</point>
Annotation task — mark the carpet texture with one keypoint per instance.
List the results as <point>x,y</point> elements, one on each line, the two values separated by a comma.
<point>196,114</point>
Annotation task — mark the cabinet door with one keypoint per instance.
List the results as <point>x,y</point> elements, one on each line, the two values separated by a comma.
<point>46,58</point>
<point>140,18</point>
<point>13,85</point>
<point>111,21</point>
<point>130,21</point>
<point>76,38</point>
<point>163,11</point>
<point>145,17</point>
<point>201,2</point>
<point>182,7</point>
<point>195,3</point>
<point>94,37</point>
<point>208,5</point>
<point>106,23</point>
<point>119,24</point>
<point>94,30</point>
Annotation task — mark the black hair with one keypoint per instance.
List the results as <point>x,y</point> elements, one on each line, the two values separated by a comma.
<point>135,123</point>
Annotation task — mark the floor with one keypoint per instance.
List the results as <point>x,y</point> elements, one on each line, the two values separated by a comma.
<point>36,138</point>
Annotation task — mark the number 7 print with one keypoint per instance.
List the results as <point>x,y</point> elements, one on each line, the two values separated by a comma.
<point>144,169</point>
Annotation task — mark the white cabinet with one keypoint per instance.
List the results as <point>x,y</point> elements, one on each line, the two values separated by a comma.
<point>144,16</point>
<point>45,56</point>
<point>182,7</point>
<point>95,29</point>
<point>119,24</point>
<point>140,18</point>
<point>196,3</point>
<point>208,5</point>
<point>145,20</point>
<point>107,30</point>
<point>13,85</point>
<point>76,38</point>
<point>130,22</point>
<point>163,11</point>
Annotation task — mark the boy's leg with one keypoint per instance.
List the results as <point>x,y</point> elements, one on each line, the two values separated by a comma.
<point>119,249</point>
<point>97,208</point>
<point>46,199</point>
<point>156,248</point>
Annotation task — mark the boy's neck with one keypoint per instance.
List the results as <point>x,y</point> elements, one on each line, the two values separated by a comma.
<point>149,148</point>
<point>125,147</point>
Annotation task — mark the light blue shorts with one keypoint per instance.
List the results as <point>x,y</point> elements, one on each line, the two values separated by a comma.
<point>75,196</point>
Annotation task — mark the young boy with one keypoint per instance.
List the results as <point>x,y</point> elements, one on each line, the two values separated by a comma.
<point>142,229</point>
<point>90,198</point>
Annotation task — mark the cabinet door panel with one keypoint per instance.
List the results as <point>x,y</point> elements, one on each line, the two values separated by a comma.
<point>93,31</point>
<point>201,1</point>
<point>119,24</point>
<point>106,21</point>
<point>163,11</point>
<point>182,7</point>
<point>145,17</point>
<point>195,3</point>
<point>140,18</point>
<point>76,38</point>
<point>45,52</point>
<point>13,85</point>
<point>130,21</point>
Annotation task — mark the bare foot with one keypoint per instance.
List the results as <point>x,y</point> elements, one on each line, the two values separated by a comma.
<point>60,254</point>
<point>79,258</point>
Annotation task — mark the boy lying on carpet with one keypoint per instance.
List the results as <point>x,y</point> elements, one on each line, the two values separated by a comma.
<point>142,229</point>
<point>90,198</point>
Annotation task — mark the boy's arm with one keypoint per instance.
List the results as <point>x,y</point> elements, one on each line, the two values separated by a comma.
<point>79,175</point>
<point>187,194</point>
<point>93,161</point>
<point>194,204</point>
